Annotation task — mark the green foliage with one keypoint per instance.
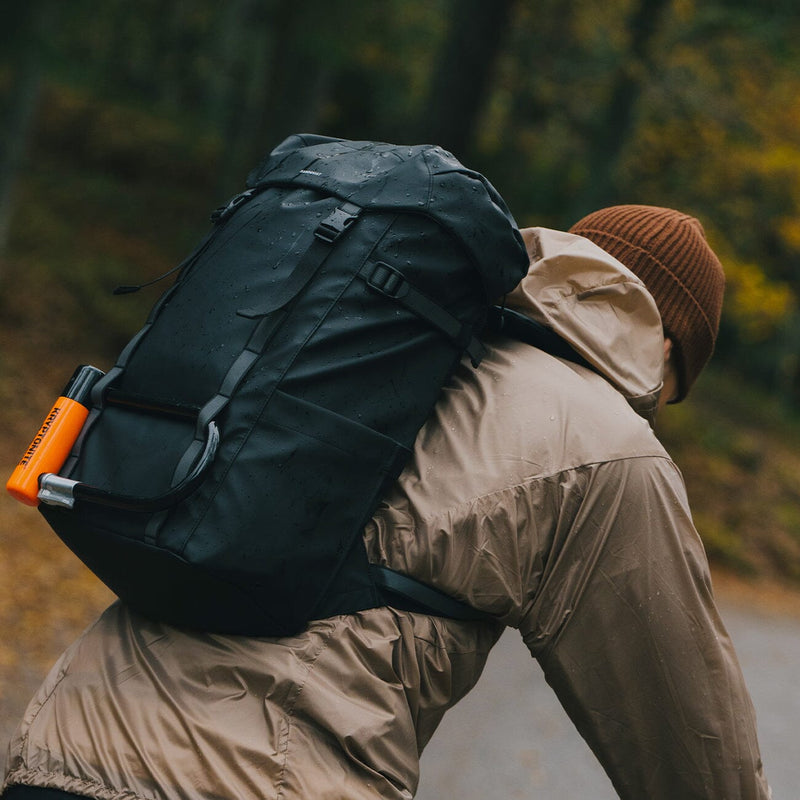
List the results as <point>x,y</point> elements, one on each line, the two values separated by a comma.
<point>739,452</point>
<point>675,103</point>
<point>126,206</point>
<point>710,126</point>
<point>150,114</point>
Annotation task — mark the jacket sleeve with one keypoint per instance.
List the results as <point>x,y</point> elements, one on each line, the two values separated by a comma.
<point>625,627</point>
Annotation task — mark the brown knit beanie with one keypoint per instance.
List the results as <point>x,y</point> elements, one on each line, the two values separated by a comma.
<point>669,252</point>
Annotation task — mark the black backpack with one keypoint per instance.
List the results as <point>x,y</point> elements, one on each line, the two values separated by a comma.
<point>243,439</point>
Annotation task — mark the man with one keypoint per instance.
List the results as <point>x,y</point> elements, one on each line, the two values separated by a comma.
<point>539,494</point>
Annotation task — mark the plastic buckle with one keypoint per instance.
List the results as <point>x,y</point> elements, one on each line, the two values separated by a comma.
<point>223,212</point>
<point>337,222</point>
<point>388,281</point>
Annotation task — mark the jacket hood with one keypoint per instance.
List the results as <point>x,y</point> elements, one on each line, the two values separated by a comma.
<point>600,307</point>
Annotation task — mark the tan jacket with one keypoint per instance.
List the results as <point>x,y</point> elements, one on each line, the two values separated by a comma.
<point>538,492</point>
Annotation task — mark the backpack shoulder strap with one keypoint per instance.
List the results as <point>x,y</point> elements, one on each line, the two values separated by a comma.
<point>515,325</point>
<point>392,283</point>
<point>406,593</point>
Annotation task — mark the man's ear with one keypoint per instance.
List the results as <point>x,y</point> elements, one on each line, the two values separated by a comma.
<point>670,388</point>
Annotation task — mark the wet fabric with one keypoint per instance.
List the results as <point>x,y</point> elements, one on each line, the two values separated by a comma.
<point>538,492</point>
<point>282,380</point>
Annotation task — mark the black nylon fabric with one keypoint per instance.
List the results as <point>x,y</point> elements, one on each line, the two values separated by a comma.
<point>317,403</point>
<point>418,179</point>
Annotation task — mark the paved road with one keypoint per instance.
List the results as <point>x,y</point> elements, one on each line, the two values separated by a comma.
<point>510,738</point>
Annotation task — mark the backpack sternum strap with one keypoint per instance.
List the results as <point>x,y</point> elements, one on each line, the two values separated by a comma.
<point>391,283</point>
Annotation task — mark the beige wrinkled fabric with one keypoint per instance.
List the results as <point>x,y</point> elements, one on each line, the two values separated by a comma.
<point>136,709</point>
<point>536,493</point>
<point>571,287</point>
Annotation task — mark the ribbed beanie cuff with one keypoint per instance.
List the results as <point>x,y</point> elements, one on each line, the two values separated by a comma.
<point>669,252</point>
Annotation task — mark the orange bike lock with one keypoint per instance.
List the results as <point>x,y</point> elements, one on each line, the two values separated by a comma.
<point>52,444</point>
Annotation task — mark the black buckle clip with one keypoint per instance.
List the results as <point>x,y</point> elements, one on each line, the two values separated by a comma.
<point>223,212</point>
<point>388,281</point>
<point>337,222</point>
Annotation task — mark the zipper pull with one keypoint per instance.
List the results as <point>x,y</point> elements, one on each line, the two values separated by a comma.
<point>130,289</point>
<point>218,216</point>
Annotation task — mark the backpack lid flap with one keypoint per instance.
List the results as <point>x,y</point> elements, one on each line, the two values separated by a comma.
<point>417,179</point>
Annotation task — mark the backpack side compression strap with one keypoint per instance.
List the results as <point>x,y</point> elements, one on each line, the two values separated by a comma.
<point>391,283</point>
<point>411,595</point>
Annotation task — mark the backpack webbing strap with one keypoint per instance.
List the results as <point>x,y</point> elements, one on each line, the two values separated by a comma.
<point>407,593</point>
<point>241,365</point>
<point>102,385</point>
<point>512,323</point>
<point>327,233</point>
<point>100,388</point>
<point>390,282</point>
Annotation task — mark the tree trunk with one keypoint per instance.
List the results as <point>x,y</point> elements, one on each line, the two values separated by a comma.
<point>613,132</point>
<point>298,76</point>
<point>236,88</point>
<point>462,79</point>
<point>20,111</point>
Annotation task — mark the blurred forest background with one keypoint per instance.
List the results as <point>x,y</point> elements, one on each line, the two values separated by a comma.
<point>125,124</point>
